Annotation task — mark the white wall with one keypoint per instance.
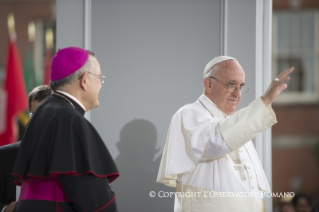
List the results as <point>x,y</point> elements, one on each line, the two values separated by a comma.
<point>153,54</point>
<point>70,28</point>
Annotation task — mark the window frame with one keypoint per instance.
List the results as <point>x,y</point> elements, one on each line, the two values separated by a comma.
<point>296,96</point>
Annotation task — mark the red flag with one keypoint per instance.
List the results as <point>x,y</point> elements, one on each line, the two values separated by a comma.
<point>16,98</point>
<point>47,67</point>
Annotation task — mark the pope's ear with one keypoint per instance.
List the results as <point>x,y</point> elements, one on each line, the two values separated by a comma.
<point>207,84</point>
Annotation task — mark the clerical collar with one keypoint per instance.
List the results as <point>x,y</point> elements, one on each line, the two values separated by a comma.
<point>212,107</point>
<point>76,103</point>
<point>72,97</point>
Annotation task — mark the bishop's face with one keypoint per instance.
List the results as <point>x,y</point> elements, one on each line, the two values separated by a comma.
<point>231,74</point>
<point>95,84</point>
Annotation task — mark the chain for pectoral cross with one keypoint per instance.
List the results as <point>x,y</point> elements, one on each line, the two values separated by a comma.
<point>63,98</point>
<point>206,108</point>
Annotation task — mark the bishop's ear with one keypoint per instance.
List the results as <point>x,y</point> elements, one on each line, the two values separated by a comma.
<point>84,81</point>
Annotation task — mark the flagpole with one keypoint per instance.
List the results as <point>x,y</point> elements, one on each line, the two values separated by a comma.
<point>49,45</point>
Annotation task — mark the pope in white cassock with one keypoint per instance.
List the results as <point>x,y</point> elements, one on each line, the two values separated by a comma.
<point>208,148</point>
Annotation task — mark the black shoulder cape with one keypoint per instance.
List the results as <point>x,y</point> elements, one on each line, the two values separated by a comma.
<point>59,141</point>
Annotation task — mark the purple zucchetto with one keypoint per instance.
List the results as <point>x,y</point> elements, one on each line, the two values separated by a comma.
<point>67,61</point>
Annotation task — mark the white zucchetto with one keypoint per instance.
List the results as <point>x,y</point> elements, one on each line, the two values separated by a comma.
<point>215,61</point>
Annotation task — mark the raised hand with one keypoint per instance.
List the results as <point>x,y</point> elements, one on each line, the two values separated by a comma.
<point>276,87</point>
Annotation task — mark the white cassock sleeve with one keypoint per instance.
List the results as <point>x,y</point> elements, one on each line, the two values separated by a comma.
<point>247,123</point>
<point>193,136</point>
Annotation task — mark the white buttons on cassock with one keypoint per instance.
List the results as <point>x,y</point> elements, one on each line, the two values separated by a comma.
<point>251,181</point>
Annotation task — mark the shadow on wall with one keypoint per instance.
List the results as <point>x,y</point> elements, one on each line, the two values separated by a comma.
<point>138,171</point>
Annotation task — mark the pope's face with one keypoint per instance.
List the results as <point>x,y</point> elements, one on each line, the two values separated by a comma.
<point>231,73</point>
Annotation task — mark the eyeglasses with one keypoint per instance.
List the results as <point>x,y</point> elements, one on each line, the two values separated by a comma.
<point>102,78</point>
<point>232,88</point>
